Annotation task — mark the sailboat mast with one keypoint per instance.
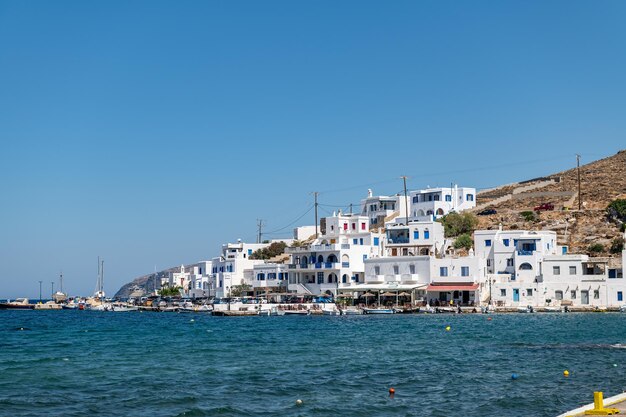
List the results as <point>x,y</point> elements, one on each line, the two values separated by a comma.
<point>61,281</point>
<point>102,278</point>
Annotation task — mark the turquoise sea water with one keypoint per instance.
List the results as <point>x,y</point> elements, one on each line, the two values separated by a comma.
<point>75,363</point>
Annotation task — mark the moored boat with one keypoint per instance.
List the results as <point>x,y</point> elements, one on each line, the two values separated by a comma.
<point>17,304</point>
<point>378,311</point>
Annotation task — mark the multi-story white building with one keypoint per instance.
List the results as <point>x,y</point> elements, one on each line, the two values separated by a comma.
<point>437,202</point>
<point>335,259</point>
<point>268,278</point>
<point>416,238</point>
<point>379,208</point>
<point>229,268</point>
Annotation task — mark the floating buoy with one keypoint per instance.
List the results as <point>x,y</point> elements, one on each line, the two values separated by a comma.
<point>391,392</point>
<point>566,373</point>
<point>614,365</point>
<point>514,376</point>
<point>447,328</point>
<point>192,320</point>
<point>489,319</point>
<point>298,402</point>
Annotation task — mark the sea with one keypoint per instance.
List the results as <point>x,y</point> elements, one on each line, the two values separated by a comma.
<point>77,363</point>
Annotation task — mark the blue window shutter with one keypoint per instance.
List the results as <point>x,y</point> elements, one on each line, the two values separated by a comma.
<point>376,241</point>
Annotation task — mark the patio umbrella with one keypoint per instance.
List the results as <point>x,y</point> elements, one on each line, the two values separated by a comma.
<point>367,295</point>
<point>404,294</point>
<point>388,294</point>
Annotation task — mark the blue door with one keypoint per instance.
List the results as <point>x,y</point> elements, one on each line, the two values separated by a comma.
<point>515,295</point>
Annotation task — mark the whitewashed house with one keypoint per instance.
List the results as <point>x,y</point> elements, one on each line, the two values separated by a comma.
<point>379,208</point>
<point>416,238</point>
<point>229,268</point>
<point>437,202</point>
<point>335,259</point>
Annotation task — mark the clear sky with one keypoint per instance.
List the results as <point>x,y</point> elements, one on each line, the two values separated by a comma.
<point>150,132</point>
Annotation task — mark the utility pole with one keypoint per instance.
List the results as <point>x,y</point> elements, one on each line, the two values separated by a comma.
<point>351,209</point>
<point>52,282</point>
<point>315,193</point>
<point>406,201</point>
<point>580,201</point>
<point>259,223</point>
<point>61,281</point>
<point>40,282</point>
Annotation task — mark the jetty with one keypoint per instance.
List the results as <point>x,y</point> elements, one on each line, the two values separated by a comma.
<point>612,406</point>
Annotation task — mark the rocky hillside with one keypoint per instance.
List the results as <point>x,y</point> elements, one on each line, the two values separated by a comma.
<point>602,181</point>
<point>144,284</point>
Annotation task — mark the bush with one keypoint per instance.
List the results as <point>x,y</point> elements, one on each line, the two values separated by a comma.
<point>528,216</point>
<point>617,210</point>
<point>275,249</point>
<point>455,224</point>
<point>167,291</point>
<point>595,248</point>
<point>463,241</point>
<point>617,245</point>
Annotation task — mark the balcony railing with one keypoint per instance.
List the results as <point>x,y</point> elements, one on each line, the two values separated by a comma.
<point>525,252</point>
<point>398,240</point>
<point>345,264</point>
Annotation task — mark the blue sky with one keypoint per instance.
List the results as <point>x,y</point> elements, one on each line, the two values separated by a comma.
<point>150,132</point>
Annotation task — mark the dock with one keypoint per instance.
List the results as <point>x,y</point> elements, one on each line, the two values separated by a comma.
<point>612,406</point>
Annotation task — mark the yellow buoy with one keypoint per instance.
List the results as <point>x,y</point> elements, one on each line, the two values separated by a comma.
<point>566,373</point>
<point>298,402</point>
<point>447,328</point>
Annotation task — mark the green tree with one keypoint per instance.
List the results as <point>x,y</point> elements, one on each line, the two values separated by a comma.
<point>617,210</point>
<point>169,291</point>
<point>463,241</point>
<point>239,290</point>
<point>456,224</point>
<point>274,249</point>
<point>617,245</point>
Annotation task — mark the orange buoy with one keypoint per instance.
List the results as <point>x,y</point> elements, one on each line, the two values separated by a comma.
<point>391,392</point>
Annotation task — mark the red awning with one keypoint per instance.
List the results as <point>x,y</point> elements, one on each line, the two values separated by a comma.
<point>453,287</point>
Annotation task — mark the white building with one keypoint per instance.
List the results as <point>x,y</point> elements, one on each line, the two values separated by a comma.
<point>416,238</point>
<point>268,278</point>
<point>335,259</point>
<point>229,268</point>
<point>380,209</point>
<point>437,202</point>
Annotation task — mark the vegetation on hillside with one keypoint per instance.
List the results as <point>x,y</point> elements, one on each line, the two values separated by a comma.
<point>463,241</point>
<point>595,248</point>
<point>617,245</point>
<point>274,249</point>
<point>456,224</point>
<point>616,210</point>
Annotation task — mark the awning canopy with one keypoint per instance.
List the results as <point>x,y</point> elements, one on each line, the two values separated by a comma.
<point>381,287</point>
<point>452,287</point>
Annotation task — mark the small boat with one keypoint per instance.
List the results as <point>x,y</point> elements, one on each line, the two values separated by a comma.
<point>526,309</point>
<point>622,308</point>
<point>296,312</point>
<point>552,310</point>
<point>17,304</point>
<point>120,308</point>
<point>351,312</point>
<point>331,312</point>
<point>378,311</point>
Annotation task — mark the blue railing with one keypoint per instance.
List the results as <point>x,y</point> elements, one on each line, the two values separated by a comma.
<point>328,265</point>
<point>345,264</point>
<point>318,265</point>
<point>525,252</point>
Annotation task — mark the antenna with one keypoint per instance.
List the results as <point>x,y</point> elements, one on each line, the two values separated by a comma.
<point>315,193</point>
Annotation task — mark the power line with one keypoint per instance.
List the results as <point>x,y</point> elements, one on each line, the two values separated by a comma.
<point>290,224</point>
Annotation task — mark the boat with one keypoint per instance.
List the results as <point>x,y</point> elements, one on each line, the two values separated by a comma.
<point>17,304</point>
<point>49,305</point>
<point>525,309</point>
<point>622,308</point>
<point>378,311</point>
<point>351,312</point>
<point>121,307</point>
<point>294,312</point>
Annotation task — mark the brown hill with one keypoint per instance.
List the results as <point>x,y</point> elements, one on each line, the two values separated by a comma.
<point>601,181</point>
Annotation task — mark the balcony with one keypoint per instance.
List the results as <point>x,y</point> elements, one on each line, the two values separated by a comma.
<point>345,264</point>
<point>374,279</point>
<point>397,240</point>
<point>525,252</point>
<point>409,278</point>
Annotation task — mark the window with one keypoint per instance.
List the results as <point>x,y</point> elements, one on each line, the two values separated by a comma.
<point>506,242</point>
<point>412,269</point>
<point>619,296</point>
<point>558,295</point>
<point>426,234</point>
<point>364,257</point>
<point>249,251</point>
<point>332,227</point>
<point>448,197</point>
<point>525,266</point>
<point>443,271</point>
<point>596,294</point>
<point>416,234</point>
<point>353,226</point>
<point>556,270</point>
<point>355,241</point>
<point>502,293</point>
<point>509,262</point>
<point>360,241</point>
<point>573,294</point>
<point>345,226</point>
<point>396,270</point>
<point>362,226</point>
<point>465,271</point>
<point>488,242</point>
<point>376,241</point>
<point>488,262</point>
<point>320,277</point>
<point>572,270</point>
<point>377,270</point>
<point>436,197</point>
<point>529,292</point>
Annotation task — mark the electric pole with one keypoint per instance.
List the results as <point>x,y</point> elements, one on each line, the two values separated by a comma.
<point>580,201</point>
<point>351,209</point>
<point>406,201</point>
<point>259,223</point>
<point>315,193</point>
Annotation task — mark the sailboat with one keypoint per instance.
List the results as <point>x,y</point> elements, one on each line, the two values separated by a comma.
<point>59,296</point>
<point>97,301</point>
